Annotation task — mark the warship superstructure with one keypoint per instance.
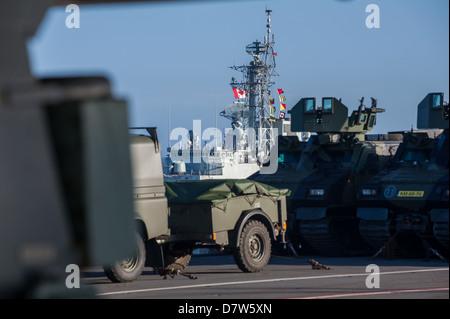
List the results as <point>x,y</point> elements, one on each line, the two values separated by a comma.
<point>244,148</point>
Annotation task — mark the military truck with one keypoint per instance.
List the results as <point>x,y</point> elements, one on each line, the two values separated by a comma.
<point>408,202</point>
<point>172,219</point>
<point>330,167</point>
<point>150,206</point>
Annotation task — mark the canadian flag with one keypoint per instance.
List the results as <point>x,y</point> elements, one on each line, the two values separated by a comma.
<point>239,94</point>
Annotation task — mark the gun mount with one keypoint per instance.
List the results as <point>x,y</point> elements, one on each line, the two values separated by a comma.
<point>332,117</point>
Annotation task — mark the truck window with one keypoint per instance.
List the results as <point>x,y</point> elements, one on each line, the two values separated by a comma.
<point>309,105</point>
<point>436,101</point>
<point>327,105</point>
<point>371,121</point>
<point>419,155</point>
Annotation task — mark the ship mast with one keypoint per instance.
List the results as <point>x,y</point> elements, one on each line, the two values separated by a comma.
<point>257,81</point>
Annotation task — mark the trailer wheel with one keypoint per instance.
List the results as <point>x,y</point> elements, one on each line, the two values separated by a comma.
<point>254,249</point>
<point>128,269</point>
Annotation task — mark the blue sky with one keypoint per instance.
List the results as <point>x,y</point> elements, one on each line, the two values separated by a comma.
<point>324,49</point>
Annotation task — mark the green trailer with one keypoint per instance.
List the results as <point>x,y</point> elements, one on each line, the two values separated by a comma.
<point>241,217</point>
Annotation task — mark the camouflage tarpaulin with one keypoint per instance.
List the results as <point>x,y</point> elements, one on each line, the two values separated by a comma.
<point>218,192</point>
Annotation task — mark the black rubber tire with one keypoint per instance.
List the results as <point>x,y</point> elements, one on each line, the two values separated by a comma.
<point>128,269</point>
<point>254,249</point>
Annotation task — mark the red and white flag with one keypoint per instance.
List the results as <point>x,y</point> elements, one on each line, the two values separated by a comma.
<point>239,94</point>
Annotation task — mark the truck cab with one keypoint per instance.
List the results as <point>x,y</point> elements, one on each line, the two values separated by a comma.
<point>151,210</point>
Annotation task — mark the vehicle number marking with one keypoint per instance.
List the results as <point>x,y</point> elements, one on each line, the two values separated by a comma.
<point>410,194</point>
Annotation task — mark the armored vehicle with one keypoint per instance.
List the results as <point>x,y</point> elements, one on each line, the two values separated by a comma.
<point>290,148</point>
<point>408,202</point>
<point>174,218</point>
<point>330,167</point>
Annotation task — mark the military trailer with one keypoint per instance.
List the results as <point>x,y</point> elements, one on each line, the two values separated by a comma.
<point>331,166</point>
<point>408,202</point>
<point>238,216</point>
<point>173,219</point>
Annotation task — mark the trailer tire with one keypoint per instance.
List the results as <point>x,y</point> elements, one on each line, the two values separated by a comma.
<point>128,269</point>
<point>254,247</point>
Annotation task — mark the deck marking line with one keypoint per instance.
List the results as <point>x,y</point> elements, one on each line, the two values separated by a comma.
<point>384,292</point>
<point>264,281</point>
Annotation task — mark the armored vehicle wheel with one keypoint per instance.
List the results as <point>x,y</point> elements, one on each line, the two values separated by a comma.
<point>253,252</point>
<point>128,269</point>
<point>440,231</point>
